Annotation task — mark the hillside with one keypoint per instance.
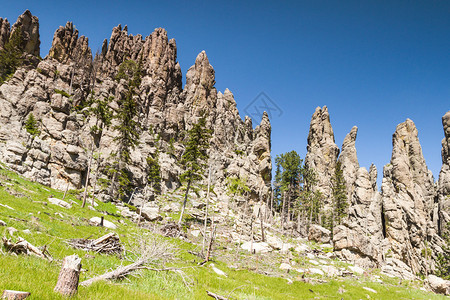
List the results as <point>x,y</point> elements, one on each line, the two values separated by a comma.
<point>25,207</point>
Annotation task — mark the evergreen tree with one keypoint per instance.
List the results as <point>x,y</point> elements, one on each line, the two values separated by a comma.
<point>443,259</point>
<point>310,198</point>
<point>31,125</point>
<point>154,172</point>
<point>10,55</point>
<point>194,157</point>
<point>237,186</point>
<point>340,201</point>
<point>127,126</point>
<point>289,169</point>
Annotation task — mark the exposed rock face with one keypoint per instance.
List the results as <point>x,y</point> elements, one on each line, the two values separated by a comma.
<point>349,160</point>
<point>29,25</point>
<point>322,153</point>
<point>66,45</point>
<point>444,177</point>
<point>408,198</point>
<point>4,32</point>
<point>59,155</point>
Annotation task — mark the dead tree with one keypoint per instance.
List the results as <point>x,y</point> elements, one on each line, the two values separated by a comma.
<point>69,276</point>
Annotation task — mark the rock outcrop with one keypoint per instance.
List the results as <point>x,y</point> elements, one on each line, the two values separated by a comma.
<point>408,193</point>
<point>29,25</point>
<point>4,32</point>
<point>57,93</point>
<point>67,46</point>
<point>444,178</point>
<point>322,153</point>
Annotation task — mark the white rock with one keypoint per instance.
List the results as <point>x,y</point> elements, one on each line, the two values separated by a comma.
<point>107,224</point>
<point>27,231</point>
<point>311,261</point>
<point>302,248</point>
<point>2,223</point>
<point>285,266</point>
<point>439,285</point>
<point>356,269</point>
<point>300,270</point>
<point>257,247</point>
<point>59,202</point>
<point>316,271</point>
<point>195,233</point>
<point>330,271</point>
<point>310,256</point>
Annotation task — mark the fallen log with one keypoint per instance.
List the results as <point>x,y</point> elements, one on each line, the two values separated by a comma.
<point>14,295</point>
<point>117,273</point>
<point>24,247</point>
<point>69,276</point>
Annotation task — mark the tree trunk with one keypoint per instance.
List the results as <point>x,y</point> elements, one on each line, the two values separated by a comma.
<point>69,275</point>
<point>184,202</point>
<point>206,211</point>
<point>87,176</point>
<point>14,295</point>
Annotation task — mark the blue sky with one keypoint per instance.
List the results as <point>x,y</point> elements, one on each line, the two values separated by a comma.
<point>373,63</point>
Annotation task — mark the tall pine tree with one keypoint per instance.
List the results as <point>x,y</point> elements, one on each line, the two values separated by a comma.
<point>340,201</point>
<point>127,126</point>
<point>194,157</point>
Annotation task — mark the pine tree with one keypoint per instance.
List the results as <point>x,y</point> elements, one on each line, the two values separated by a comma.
<point>194,157</point>
<point>154,172</point>
<point>31,125</point>
<point>289,169</point>
<point>309,197</point>
<point>127,126</point>
<point>340,201</point>
<point>10,55</point>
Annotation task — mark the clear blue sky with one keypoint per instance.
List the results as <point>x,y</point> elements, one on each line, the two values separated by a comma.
<point>373,63</point>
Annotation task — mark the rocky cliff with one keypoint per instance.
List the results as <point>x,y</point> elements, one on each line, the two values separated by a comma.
<point>56,89</point>
<point>399,228</point>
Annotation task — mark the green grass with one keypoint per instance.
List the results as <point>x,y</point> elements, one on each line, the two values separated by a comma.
<point>48,227</point>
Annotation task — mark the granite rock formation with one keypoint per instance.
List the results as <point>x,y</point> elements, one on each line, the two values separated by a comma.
<point>56,89</point>
<point>444,178</point>
<point>322,154</point>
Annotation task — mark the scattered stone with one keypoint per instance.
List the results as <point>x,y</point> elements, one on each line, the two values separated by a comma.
<point>316,271</point>
<point>26,231</point>
<point>357,270</point>
<point>285,266</point>
<point>261,247</point>
<point>59,202</point>
<point>331,271</point>
<point>2,223</point>
<point>7,206</point>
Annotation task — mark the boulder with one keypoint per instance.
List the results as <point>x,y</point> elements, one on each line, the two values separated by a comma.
<point>319,234</point>
<point>261,247</point>
<point>439,285</point>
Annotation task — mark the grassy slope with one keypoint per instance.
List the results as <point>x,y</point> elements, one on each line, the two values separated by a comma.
<point>27,273</point>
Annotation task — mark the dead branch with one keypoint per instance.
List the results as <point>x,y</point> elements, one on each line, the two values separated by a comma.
<point>109,244</point>
<point>118,273</point>
<point>215,296</point>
